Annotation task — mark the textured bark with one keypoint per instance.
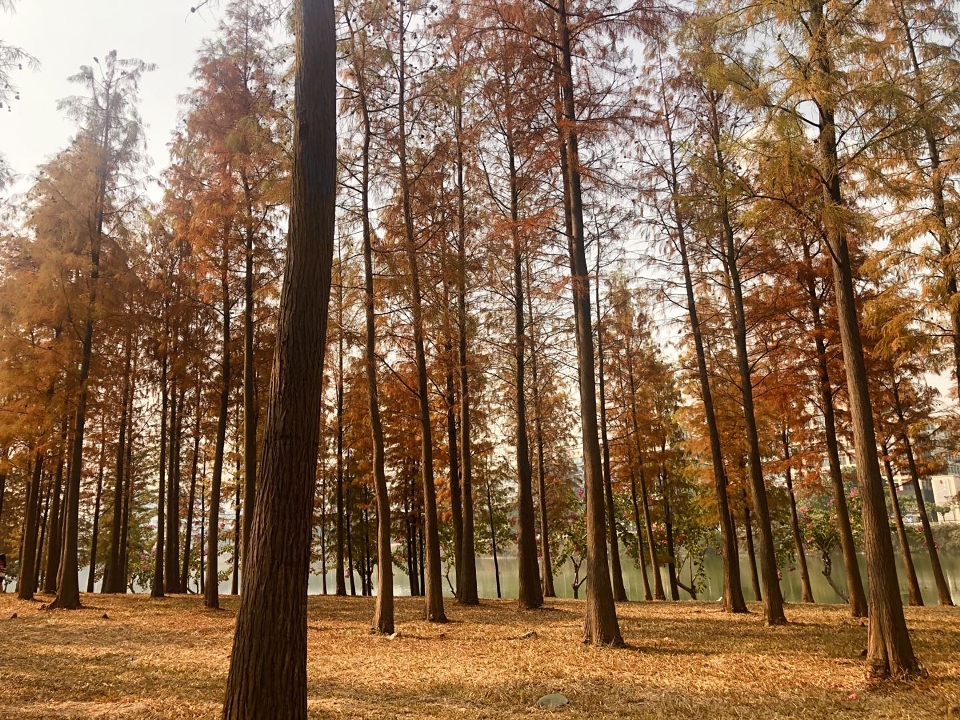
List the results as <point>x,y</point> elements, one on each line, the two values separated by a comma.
<point>889,650</point>
<point>267,675</point>
<point>857,598</point>
<point>601,626</point>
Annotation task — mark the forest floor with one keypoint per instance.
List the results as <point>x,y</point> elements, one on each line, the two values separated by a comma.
<point>133,657</point>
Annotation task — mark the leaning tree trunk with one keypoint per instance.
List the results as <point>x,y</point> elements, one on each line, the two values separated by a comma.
<point>601,626</point>
<point>268,665</point>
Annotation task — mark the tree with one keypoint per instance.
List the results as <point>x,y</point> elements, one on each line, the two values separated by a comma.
<point>268,669</point>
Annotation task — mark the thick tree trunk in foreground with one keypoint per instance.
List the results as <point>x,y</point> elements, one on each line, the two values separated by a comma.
<point>268,668</point>
<point>889,650</point>
<point>601,626</point>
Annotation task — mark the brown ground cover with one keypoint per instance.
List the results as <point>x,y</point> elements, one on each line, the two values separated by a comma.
<point>168,659</point>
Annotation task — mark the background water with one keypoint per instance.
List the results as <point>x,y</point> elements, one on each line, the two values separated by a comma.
<point>790,584</point>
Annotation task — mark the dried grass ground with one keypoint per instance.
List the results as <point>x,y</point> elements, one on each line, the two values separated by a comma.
<point>168,659</point>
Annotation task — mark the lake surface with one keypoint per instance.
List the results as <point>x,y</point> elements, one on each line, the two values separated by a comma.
<point>632,579</point>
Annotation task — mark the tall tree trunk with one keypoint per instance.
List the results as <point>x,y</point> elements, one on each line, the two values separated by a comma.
<point>546,571</point>
<point>171,573</point>
<point>44,518</point>
<point>530,594</point>
<point>770,584</point>
<point>619,591</point>
<point>668,531</point>
<point>433,587</point>
<point>113,582</point>
<point>55,532</point>
<point>889,650</point>
<point>658,593</point>
<point>211,594</point>
<point>641,560</point>
<point>857,598</point>
<point>268,665</point>
<point>913,586</point>
<point>601,626</point>
<point>493,539</point>
<point>156,589</point>
<point>237,537</point>
<point>68,581</point>
<point>732,590</point>
<point>751,551</point>
<point>350,574</point>
<point>943,590</point>
<point>805,590</point>
<point>341,508</point>
<point>25,582</point>
<point>467,591</point>
<point>383,615</point>
<point>249,376</point>
<point>192,497</point>
<point>95,532</point>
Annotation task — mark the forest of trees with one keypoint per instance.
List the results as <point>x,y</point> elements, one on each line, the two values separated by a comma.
<point>600,282</point>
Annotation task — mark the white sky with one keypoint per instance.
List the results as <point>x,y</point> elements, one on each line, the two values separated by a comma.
<point>65,34</point>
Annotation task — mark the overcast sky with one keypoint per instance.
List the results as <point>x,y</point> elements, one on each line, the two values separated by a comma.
<point>65,34</point>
